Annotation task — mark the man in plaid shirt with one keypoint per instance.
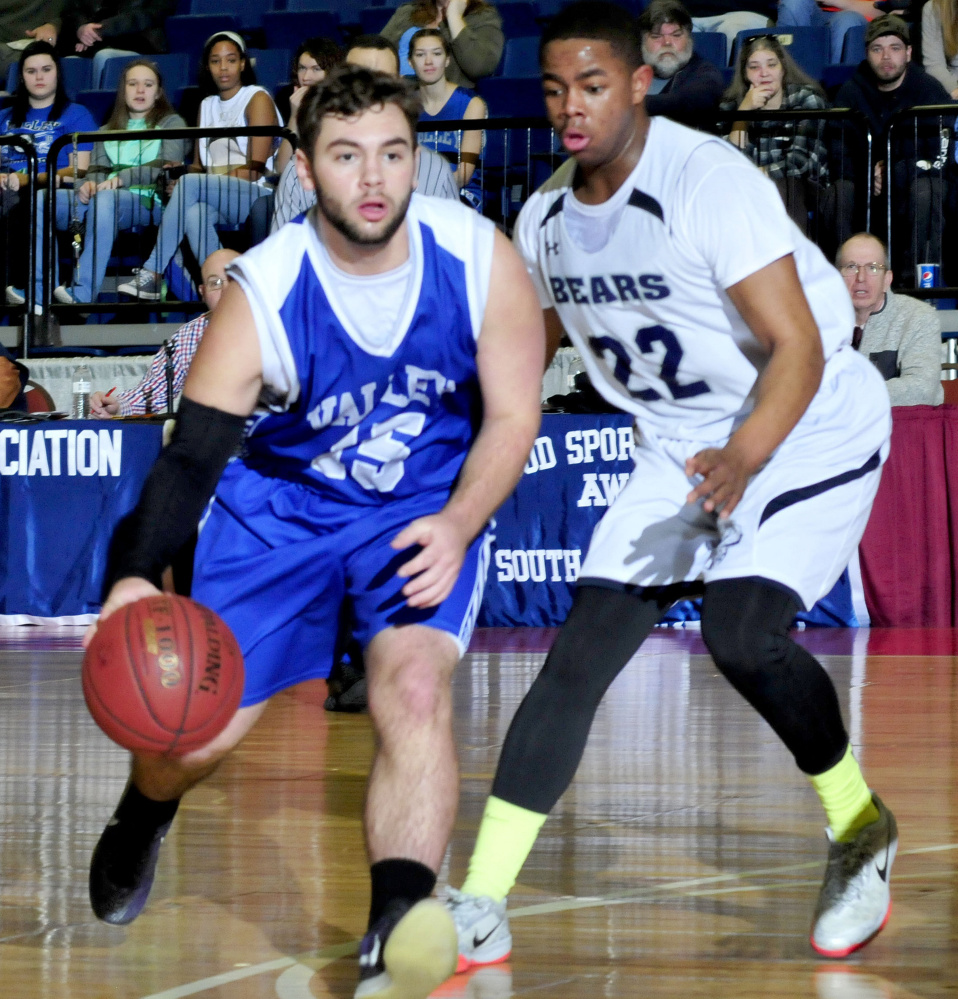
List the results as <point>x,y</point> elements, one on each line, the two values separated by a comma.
<point>150,395</point>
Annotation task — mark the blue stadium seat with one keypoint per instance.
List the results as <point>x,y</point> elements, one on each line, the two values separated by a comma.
<point>249,12</point>
<point>807,46</point>
<point>835,75</point>
<point>348,10</point>
<point>187,32</point>
<point>519,19</point>
<point>285,29</point>
<point>98,102</point>
<point>175,68</point>
<point>271,66</point>
<point>853,48</point>
<point>77,73</point>
<point>520,59</point>
<point>372,20</point>
<point>512,98</point>
<point>713,46</point>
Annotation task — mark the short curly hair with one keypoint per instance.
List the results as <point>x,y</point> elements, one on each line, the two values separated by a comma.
<point>348,91</point>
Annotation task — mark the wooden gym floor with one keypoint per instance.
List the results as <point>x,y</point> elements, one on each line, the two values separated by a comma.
<point>684,861</point>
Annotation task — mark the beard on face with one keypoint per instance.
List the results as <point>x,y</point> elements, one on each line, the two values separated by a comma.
<point>890,77</point>
<point>666,62</point>
<point>333,213</point>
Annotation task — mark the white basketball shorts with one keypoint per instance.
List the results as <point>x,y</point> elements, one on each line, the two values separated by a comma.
<point>799,521</point>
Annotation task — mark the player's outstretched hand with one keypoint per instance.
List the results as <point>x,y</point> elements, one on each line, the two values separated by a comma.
<point>435,569</point>
<point>724,473</point>
<point>124,591</point>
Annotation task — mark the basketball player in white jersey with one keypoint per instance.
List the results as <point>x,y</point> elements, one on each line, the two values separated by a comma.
<point>698,307</point>
<point>395,399</point>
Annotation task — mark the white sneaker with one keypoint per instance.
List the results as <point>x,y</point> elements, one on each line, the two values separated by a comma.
<point>15,296</point>
<point>855,900</point>
<point>144,284</point>
<point>63,294</point>
<point>482,927</point>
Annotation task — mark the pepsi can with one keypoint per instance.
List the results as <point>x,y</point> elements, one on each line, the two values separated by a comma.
<point>928,275</point>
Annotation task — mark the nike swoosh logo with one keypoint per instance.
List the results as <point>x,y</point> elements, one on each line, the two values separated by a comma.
<point>883,870</point>
<point>478,941</point>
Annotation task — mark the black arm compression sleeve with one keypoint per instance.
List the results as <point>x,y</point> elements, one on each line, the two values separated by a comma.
<point>175,493</point>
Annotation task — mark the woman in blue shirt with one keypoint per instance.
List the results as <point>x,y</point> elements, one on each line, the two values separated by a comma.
<point>442,100</point>
<point>41,109</point>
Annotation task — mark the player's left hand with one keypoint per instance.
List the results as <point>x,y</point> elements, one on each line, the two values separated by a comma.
<point>724,473</point>
<point>435,569</point>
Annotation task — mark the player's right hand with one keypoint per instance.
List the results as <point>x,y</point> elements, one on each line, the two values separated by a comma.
<point>124,591</point>
<point>102,408</point>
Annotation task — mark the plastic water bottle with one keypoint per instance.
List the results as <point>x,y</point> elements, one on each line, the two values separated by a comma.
<point>82,385</point>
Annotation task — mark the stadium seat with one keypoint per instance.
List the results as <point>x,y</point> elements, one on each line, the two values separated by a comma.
<point>249,12</point>
<point>271,66</point>
<point>38,398</point>
<point>187,32</point>
<point>174,66</point>
<point>372,20</point>
<point>348,10</point>
<point>285,29</point>
<point>807,46</point>
<point>834,76</point>
<point>853,48</point>
<point>519,20</point>
<point>711,45</point>
<point>520,59</point>
<point>512,98</point>
<point>98,102</point>
<point>77,73</point>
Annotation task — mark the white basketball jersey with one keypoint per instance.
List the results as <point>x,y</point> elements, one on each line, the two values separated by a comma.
<point>639,281</point>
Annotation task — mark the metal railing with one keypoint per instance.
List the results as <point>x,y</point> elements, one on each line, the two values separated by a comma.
<point>25,144</point>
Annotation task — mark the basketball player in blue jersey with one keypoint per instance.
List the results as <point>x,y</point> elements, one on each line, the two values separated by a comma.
<point>700,308</point>
<point>394,401</point>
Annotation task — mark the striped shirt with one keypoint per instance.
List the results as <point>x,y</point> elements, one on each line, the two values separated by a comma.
<point>150,395</point>
<point>434,179</point>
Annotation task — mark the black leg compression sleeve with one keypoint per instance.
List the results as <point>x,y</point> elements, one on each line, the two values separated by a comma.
<point>547,737</point>
<point>175,493</point>
<point>745,625</point>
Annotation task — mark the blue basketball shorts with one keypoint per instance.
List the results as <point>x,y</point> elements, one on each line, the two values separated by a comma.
<point>286,567</point>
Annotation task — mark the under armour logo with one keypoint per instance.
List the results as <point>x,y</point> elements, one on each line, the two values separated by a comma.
<point>552,247</point>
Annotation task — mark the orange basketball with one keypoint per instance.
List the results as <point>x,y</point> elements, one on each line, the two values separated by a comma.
<point>163,675</point>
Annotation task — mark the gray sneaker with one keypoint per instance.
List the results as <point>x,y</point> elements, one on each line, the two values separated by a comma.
<point>482,927</point>
<point>855,901</point>
<point>144,284</point>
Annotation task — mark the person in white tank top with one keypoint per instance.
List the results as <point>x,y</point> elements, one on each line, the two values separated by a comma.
<point>700,308</point>
<point>229,174</point>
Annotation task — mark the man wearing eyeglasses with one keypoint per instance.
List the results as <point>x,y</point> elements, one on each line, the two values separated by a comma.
<point>898,334</point>
<point>683,81</point>
<point>150,395</point>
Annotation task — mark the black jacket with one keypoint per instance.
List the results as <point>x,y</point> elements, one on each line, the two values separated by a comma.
<point>136,25</point>
<point>696,87</point>
<point>861,93</point>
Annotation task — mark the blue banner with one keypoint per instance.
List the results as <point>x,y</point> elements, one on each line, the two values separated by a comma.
<point>576,469</point>
<point>63,488</point>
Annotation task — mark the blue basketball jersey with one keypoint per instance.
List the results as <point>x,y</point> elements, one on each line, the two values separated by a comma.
<point>365,419</point>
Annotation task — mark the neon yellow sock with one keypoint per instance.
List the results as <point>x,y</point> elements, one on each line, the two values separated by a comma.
<point>845,797</point>
<point>505,839</point>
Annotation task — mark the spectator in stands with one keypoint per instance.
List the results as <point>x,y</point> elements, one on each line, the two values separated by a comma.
<point>13,377</point>
<point>311,62</point>
<point>434,177</point>
<point>42,109</point>
<point>792,153</point>
<point>119,190</point>
<point>101,29</point>
<point>729,17</point>
<point>839,16</point>
<point>886,81</point>
<point>683,81</point>
<point>472,29</point>
<point>939,43</point>
<point>231,173</point>
<point>898,334</point>
<point>150,395</point>
<point>442,100</point>
<point>23,20</point>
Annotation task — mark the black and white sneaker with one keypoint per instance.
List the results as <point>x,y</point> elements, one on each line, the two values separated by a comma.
<point>144,284</point>
<point>121,872</point>
<point>410,952</point>
<point>855,898</point>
